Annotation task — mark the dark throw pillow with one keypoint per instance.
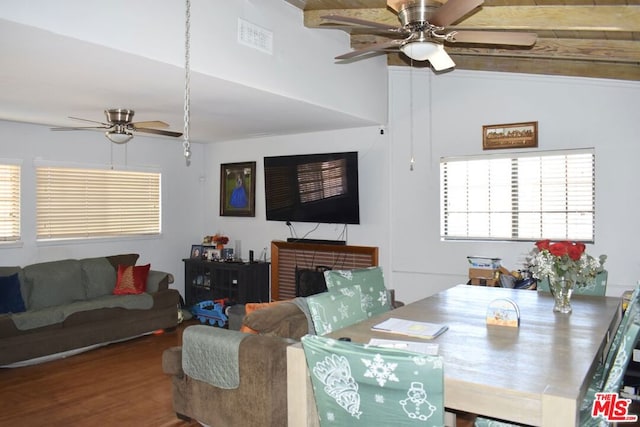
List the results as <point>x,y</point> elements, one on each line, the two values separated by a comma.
<point>10,297</point>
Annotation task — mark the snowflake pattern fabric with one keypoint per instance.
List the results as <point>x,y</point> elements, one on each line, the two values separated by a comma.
<point>336,309</point>
<point>375,296</point>
<point>356,384</point>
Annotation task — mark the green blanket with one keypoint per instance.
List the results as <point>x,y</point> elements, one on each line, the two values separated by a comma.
<point>52,315</point>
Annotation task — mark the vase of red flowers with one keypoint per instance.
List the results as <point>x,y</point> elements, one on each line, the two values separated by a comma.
<point>567,266</point>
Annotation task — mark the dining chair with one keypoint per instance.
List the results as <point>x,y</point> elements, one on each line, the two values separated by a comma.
<point>361,385</point>
<point>597,288</point>
<point>376,298</point>
<point>609,373</point>
<point>615,371</point>
<point>336,309</point>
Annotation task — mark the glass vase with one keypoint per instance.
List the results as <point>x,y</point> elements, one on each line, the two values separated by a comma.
<point>561,289</point>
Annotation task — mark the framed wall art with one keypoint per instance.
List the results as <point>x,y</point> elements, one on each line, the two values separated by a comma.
<point>238,189</point>
<point>513,135</point>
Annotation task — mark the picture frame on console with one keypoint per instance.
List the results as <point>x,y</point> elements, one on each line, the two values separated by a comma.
<point>513,135</point>
<point>211,253</point>
<point>238,189</point>
<point>196,252</point>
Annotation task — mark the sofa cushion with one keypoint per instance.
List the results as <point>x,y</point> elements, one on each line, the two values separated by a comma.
<point>98,277</point>
<point>156,281</point>
<point>336,309</point>
<point>281,319</point>
<point>131,279</point>
<point>375,296</point>
<point>10,296</point>
<point>250,307</point>
<point>53,283</point>
<point>123,259</point>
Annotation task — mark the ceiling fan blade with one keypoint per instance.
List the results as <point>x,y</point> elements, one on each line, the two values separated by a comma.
<point>371,48</point>
<point>159,132</point>
<point>452,11</point>
<point>150,124</point>
<point>493,37</point>
<point>81,128</point>
<point>90,121</point>
<point>441,60</point>
<point>361,22</point>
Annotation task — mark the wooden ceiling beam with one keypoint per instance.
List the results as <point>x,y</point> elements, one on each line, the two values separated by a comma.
<point>621,18</point>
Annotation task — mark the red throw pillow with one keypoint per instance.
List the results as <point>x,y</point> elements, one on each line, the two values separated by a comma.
<point>131,279</point>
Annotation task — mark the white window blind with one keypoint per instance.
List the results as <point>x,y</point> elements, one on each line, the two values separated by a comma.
<point>81,203</point>
<point>9,203</point>
<point>519,196</point>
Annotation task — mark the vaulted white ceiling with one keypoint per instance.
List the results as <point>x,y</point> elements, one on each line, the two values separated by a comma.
<point>77,58</point>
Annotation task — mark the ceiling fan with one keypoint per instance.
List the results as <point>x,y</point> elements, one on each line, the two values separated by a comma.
<point>120,128</point>
<point>424,31</point>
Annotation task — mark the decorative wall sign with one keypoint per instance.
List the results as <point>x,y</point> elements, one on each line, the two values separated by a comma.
<point>238,189</point>
<point>514,135</point>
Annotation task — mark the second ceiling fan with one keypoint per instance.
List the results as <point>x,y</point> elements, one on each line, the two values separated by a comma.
<point>423,31</point>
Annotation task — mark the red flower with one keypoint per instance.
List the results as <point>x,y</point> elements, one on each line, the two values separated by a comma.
<point>575,251</point>
<point>559,249</point>
<point>543,244</point>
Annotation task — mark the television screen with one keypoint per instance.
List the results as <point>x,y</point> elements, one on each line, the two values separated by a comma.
<point>312,188</point>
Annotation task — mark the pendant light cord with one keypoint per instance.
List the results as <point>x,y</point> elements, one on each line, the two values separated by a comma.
<point>186,144</point>
<point>411,162</point>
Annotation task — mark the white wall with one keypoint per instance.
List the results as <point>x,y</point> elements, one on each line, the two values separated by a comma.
<point>302,58</point>
<point>399,208</point>
<point>257,233</point>
<point>449,111</point>
<point>183,215</point>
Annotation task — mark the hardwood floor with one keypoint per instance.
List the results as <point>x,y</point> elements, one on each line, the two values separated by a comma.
<point>118,385</point>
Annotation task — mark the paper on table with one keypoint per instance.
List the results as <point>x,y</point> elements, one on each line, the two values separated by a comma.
<point>411,327</point>
<point>430,349</point>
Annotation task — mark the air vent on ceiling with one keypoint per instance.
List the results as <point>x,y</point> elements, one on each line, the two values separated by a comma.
<point>254,36</point>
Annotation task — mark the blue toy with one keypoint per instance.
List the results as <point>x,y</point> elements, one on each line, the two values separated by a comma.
<point>209,311</point>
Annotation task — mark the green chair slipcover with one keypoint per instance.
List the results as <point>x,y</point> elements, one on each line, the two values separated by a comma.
<point>336,309</point>
<point>375,296</point>
<point>360,385</point>
<point>598,287</point>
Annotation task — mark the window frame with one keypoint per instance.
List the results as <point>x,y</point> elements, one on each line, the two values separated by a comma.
<point>94,190</point>
<point>11,194</point>
<point>578,191</point>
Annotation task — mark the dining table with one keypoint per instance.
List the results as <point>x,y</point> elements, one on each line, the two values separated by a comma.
<point>535,373</point>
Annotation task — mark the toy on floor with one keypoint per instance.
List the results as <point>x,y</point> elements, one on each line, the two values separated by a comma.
<point>209,311</point>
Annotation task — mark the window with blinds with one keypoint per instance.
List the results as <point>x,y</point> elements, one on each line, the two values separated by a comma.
<point>519,196</point>
<point>85,203</point>
<point>9,203</point>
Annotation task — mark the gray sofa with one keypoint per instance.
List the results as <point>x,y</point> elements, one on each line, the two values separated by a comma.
<point>70,307</point>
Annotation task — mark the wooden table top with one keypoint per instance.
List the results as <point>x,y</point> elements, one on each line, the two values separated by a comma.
<point>536,374</point>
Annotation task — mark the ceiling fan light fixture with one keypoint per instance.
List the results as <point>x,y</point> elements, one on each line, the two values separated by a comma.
<point>117,137</point>
<point>419,50</point>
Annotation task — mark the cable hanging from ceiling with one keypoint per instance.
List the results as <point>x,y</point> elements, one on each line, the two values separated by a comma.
<point>186,144</point>
<point>412,160</point>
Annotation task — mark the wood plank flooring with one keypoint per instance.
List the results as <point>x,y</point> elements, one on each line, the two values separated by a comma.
<point>121,384</point>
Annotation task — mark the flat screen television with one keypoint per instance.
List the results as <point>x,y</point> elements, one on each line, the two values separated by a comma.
<point>319,188</point>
